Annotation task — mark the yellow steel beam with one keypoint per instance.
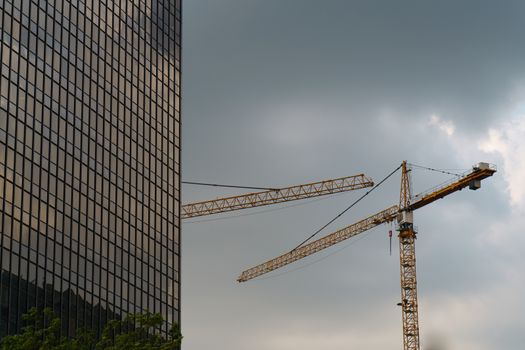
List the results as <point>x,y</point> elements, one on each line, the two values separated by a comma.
<point>383,216</point>
<point>407,260</point>
<point>404,195</point>
<point>476,174</point>
<point>280,195</point>
<point>409,303</point>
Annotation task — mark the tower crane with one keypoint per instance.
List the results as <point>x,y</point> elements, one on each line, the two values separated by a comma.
<point>277,195</point>
<point>403,213</point>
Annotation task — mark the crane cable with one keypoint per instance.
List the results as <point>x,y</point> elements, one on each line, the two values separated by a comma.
<point>348,208</point>
<point>443,171</point>
<point>229,186</point>
<point>436,170</point>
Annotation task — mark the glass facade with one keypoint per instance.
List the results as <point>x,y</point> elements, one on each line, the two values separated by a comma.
<point>89,159</point>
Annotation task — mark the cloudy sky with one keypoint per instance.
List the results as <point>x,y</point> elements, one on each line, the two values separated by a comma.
<point>282,92</point>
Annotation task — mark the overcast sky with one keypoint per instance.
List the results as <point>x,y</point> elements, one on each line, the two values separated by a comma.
<point>282,92</point>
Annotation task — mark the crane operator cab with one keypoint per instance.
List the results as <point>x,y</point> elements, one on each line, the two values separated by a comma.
<point>405,222</point>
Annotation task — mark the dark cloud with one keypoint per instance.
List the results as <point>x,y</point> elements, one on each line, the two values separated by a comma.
<point>456,58</point>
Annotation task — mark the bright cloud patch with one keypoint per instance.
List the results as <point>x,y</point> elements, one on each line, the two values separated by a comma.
<point>468,321</point>
<point>508,141</point>
<point>444,125</point>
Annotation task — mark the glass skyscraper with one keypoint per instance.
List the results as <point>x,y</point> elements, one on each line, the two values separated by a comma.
<point>89,159</point>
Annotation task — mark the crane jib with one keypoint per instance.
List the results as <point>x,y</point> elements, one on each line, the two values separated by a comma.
<point>275,196</point>
<point>466,181</point>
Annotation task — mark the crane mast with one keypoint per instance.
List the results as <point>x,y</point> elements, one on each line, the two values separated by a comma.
<point>407,260</point>
<point>274,196</point>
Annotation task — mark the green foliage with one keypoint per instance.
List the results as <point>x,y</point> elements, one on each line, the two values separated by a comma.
<point>42,332</point>
<point>135,332</point>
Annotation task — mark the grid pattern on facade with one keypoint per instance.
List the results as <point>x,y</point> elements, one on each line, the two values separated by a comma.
<point>89,159</point>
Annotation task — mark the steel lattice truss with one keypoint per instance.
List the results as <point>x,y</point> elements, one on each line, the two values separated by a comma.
<point>409,304</point>
<point>383,216</point>
<point>257,199</point>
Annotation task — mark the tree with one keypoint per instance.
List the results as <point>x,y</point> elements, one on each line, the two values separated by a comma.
<point>42,332</point>
<point>135,332</point>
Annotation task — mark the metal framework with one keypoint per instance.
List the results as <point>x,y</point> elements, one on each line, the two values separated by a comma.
<point>407,237</point>
<point>409,305</point>
<point>407,265</point>
<point>404,192</point>
<point>383,216</point>
<point>470,179</point>
<point>286,194</point>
